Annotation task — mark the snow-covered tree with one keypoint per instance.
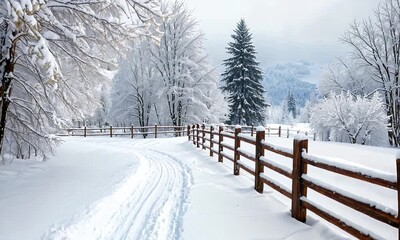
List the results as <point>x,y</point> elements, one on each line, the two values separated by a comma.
<point>346,118</point>
<point>183,70</point>
<point>50,54</point>
<point>375,44</point>
<point>291,104</point>
<point>132,91</point>
<point>242,80</point>
<point>347,75</point>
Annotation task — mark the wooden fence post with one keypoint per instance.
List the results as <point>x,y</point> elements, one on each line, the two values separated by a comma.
<point>132,131</point>
<point>279,131</point>
<point>203,135</point>
<point>236,157</point>
<point>315,136</point>
<point>188,132</point>
<point>197,135</point>
<point>84,131</point>
<point>288,133</point>
<point>220,148</point>
<point>298,187</point>
<point>193,130</point>
<point>252,127</point>
<point>110,131</point>
<point>155,131</point>
<point>259,168</point>
<point>211,141</point>
<point>398,194</point>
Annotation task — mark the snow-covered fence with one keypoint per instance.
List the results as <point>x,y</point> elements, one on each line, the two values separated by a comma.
<point>208,138</point>
<point>274,131</point>
<point>126,131</point>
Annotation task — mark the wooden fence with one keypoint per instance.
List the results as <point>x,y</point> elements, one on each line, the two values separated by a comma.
<point>273,131</point>
<point>126,131</point>
<point>214,140</point>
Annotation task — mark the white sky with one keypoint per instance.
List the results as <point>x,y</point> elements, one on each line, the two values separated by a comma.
<point>283,30</point>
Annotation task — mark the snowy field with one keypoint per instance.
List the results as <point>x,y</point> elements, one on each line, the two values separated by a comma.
<point>103,188</point>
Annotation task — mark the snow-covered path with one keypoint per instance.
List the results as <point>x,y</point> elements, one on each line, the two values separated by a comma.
<point>148,204</point>
<point>102,188</point>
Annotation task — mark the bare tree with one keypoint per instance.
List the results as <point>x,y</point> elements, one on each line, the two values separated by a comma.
<point>183,68</point>
<point>376,44</point>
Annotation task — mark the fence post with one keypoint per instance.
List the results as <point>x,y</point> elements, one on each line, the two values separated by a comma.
<point>220,148</point>
<point>236,156</point>
<point>269,131</point>
<point>188,132</point>
<point>252,127</point>
<point>259,168</point>
<point>203,135</point>
<point>193,130</point>
<point>315,136</point>
<point>84,131</point>
<point>298,187</point>
<point>132,131</point>
<point>288,133</point>
<point>197,135</point>
<point>211,141</point>
<point>155,131</point>
<point>110,131</point>
<point>398,193</point>
<point>279,131</point>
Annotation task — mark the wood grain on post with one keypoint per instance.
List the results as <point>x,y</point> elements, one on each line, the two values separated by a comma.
<point>155,131</point>
<point>84,131</point>
<point>211,141</point>
<point>298,187</point>
<point>110,131</point>
<point>236,157</point>
<point>203,135</point>
<point>197,135</point>
<point>259,168</point>
<point>220,148</point>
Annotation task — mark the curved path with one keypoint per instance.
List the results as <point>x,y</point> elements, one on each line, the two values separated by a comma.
<point>147,204</point>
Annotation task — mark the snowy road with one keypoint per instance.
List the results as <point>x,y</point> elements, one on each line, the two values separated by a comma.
<point>149,204</point>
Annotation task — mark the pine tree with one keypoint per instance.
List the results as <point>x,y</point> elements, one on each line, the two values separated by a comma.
<point>291,104</point>
<point>242,79</point>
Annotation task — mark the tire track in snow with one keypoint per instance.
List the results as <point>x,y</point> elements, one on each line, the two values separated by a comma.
<point>148,204</point>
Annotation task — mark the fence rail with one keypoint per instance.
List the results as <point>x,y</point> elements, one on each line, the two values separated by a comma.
<point>300,180</point>
<point>126,131</point>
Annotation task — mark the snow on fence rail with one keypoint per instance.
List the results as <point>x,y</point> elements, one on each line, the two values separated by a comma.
<point>125,131</point>
<point>298,176</point>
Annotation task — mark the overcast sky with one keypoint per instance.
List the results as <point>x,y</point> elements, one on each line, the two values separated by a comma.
<point>283,30</point>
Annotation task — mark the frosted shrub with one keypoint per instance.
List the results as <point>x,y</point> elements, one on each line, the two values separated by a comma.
<point>348,118</point>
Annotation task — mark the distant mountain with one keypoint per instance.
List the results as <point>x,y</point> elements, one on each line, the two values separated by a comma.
<point>299,77</point>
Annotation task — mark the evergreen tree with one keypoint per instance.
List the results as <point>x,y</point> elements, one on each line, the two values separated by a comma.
<point>242,80</point>
<point>291,104</point>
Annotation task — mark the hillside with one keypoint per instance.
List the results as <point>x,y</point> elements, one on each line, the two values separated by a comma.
<point>299,77</point>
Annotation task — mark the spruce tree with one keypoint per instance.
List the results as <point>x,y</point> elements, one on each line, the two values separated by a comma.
<point>291,104</point>
<point>242,80</point>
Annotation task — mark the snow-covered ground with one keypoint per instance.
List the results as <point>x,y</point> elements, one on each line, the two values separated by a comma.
<point>119,188</point>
